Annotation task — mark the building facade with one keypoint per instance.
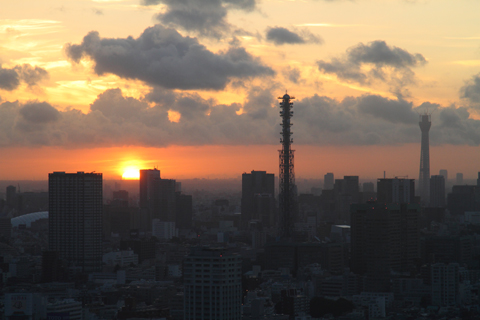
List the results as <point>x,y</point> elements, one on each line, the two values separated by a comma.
<point>213,285</point>
<point>75,218</point>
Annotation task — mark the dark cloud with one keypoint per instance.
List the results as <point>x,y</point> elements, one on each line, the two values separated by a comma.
<point>471,90</point>
<point>39,112</point>
<point>31,75</point>
<point>391,65</point>
<point>10,78</point>
<point>205,17</point>
<point>280,36</point>
<point>163,57</point>
<point>115,120</point>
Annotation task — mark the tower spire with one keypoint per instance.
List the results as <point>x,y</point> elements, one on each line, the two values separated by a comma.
<point>287,201</point>
<point>424,177</point>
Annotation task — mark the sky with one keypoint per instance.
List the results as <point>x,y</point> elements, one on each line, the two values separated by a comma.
<point>191,86</point>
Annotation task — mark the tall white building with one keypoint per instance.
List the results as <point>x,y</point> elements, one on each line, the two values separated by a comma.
<point>75,218</point>
<point>213,285</point>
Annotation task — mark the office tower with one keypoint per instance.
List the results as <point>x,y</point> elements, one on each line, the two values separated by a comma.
<point>75,218</point>
<point>287,192</point>
<point>258,197</point>
<point>164,206</point>
<point>147,177</point>
<point>384,239</point>
<point>478,179</point>
<point>184,211</point>
<point>459,179</point>
<point>368,187</point>
<point>212,285</point>
<point>397,190</point>
<point>445,284</point>
<point>437,191</point>
<point>463,198</point>
<point>11,197</point>
<point>424,177</point>
<point>444,173</point>
<point>328,181</point>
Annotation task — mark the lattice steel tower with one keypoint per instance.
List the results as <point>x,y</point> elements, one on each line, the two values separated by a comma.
<point>287,198</point>
<point>424,179</point>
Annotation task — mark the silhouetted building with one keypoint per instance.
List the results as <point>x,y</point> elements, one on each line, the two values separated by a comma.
<point>54,269</point>
<point>212,285</point>
<point>437,191</point>
<point>184,208</point>
<point>461,199</point>
<point>448,249</point>
<point>147,176</point>
<point>164,206</point>
<point>397,190</point>
<point>331,256</point>
<point>293,303</point>
<point>368,187</point>
<point>459,179</point>
<point>445,284</point>
<point>424,177</point>
<point>11,196</point>
<point>444,174</point>
<point>120,198</point>
<point>258,195</point>
<point>328,181</point>
<point>384,239</point>
<point>347,192</point>
<point>144,248</point>
<point>75,218</point>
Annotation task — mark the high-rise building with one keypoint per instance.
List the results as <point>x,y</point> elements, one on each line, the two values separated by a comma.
<point>437,191</point>
<point>328,181</point>
<point>212,285</point>
<point>459,179</point>
<point>424,177</point>
<point>184,211</point>
<point>75,218</point>
<point>444,173</point>
<point>147,176</point>
<point>164,206</point>
<point>445,284</point>
<point>258,197</point>
<point>397,190</point>
<point>384,239</point>
<point>11,197</point>
<point>368,187</point>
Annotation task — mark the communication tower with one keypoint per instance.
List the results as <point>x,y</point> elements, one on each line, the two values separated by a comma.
<point>424,178</point>
<point>287,198</point>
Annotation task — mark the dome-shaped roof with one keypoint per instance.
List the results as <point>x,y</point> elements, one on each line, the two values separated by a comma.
<point>28,218</point>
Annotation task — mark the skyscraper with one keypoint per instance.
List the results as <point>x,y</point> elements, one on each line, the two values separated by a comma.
<point>397,190</point>
<point>257,186</point>
<point>459,179</point>
<point>147,176</point>
<point>437,191</point>
<point>328,181</point>
<point>287,193</point>
<point>213,285</point>
<point>424,177</point>
<point>75,218</point>
<point>444,173</point>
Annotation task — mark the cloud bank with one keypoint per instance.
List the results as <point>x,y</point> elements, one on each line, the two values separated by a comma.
<point>117,120</point>
<point>163,57</point>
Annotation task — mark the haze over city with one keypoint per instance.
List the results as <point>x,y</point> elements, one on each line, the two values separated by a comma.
<point>190,86</point>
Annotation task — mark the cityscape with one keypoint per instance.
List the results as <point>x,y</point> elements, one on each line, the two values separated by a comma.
<point>239,160</point>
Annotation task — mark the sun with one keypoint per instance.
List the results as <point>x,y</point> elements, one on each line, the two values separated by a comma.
<point>131,173</point>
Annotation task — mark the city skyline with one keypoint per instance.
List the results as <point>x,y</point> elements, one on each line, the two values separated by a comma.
<point>112,86</point>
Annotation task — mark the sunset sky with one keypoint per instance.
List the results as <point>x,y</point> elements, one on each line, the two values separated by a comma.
<point>191,86</point>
